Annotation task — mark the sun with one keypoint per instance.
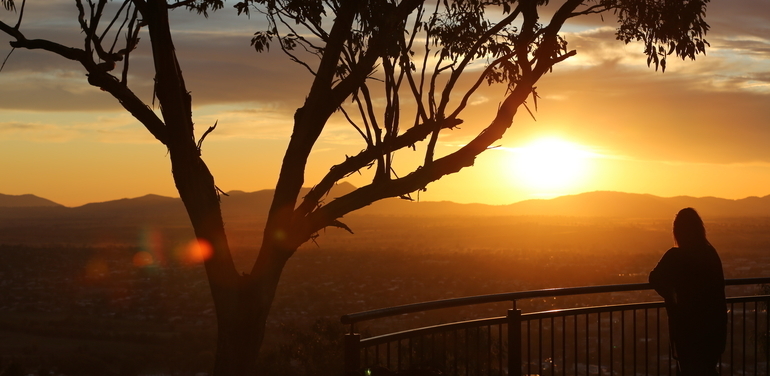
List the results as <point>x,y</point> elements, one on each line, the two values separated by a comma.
<point>550,164</point>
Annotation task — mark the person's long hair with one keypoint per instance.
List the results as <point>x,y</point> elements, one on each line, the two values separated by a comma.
<point>689,230</point>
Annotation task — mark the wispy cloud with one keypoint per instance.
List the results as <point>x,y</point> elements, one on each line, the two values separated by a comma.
<point>714,108</point>
<point>101,127</point>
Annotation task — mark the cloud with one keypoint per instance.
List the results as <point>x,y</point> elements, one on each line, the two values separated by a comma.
<point>744,17</point>
<point>599,46</point>
<point>41,131</point>
<point>52,90</point>
<point>752,47</point>
<point>479,100</point>
<point>218,64</point>
<point>61,127</point>
<point>649,115</point>
<point>244,120</point>
<point>714,109</point>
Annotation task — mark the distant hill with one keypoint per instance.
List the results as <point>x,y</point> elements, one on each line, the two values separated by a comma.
<point>627,205</point>
<point>239,206</point>
<point>146,209</point>
<point>590,204</point>
<point>11,201</point>
<point>129,220</point>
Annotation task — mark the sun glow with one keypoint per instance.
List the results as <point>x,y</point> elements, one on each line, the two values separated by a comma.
<point>551,164</point>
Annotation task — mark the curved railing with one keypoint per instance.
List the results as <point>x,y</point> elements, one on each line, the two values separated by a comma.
<point>612,339</point>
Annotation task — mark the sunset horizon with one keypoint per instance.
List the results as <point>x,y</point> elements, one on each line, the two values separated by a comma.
<point>384,187</point>
<point>696,130</point>
<point>546,196</point>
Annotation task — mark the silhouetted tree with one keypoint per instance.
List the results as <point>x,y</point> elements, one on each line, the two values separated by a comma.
<point>416,48</point>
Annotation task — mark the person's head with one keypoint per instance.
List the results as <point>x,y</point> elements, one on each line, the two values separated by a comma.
<point>689,229</point>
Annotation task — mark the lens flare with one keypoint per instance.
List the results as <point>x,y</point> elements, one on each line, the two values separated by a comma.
<point>197,251</point>
<point>151,241</point>
<point>142,259</point>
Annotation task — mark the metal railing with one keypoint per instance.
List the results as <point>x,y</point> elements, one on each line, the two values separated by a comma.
<point>620,339</point>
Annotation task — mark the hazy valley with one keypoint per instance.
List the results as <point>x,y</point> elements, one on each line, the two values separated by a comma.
<point>79,299</point>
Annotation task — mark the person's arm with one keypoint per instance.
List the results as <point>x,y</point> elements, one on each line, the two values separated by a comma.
<point>662,277</point>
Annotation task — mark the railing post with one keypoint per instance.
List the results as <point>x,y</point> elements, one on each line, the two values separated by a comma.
<point>352,353</point>
<point>514,342</point>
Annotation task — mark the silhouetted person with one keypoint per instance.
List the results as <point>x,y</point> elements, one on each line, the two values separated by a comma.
<point>689,277</point>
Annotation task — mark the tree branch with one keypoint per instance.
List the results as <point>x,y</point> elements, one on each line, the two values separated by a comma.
<point>70,53</point>
<point>131,103</point>
<point>312,218</point>
<point>545,57</point>
<point>97,78</point>
<point>366,157</point>
<point>21,15</point>
<point>132,39</point>
<point>6,59</point>
<point>454,162</point>
<point>181,4</point>
<point>117,15</point>
<point>353,123</point>
<point>479,80</point>
<point>469,56</point>
<point>141,5</point>
<point>361,71</point>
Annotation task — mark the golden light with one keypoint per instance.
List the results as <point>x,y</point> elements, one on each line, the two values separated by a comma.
<point>142,259</point>
<point>195,252</point>
<point>551,164</point>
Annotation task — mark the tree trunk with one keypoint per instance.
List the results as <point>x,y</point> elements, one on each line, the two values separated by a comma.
<point>242,302</point>
<point>241,337</point>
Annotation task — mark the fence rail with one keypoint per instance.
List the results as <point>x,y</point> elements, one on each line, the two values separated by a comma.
<point>620,339</point>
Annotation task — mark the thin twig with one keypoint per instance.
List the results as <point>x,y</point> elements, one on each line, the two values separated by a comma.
<point>337,223</point>
<point>117,33</point>
<point>530,111</point>
<point>479,81</point>
<point>206,133</point>
<point>355,125</point>
<point>363,116</point>
<point>372,117</point>
<point>219,190</point>
<point>104,33</point>
<point>181,4</point>
<point>6,59</point>
<point>21,15</point>
<point>132,38</point>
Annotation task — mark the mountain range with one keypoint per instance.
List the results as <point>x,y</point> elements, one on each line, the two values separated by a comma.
<point>239,205</point>
<point>25,201</point>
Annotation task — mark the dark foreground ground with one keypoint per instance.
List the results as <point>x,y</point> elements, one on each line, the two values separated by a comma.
<point>106,310</point>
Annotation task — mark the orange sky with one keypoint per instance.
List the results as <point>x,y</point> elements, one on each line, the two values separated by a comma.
<point>700,129</point>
